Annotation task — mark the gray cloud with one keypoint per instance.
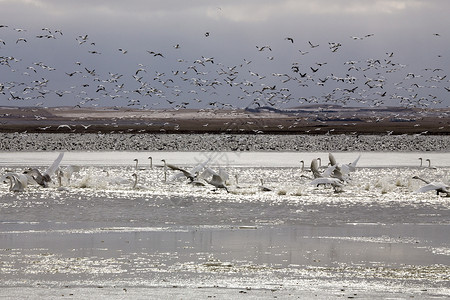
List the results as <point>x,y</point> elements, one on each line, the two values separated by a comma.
<point>235,29</point>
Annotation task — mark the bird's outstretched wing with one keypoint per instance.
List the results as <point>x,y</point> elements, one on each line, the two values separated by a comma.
<point>178,175</point>
<point>223,174</point>
<point>208,172</point>
<point>329,171</point>
<point>200,166</point>
<point>433,186</point>
<point>51,170</point>
<point>351,167</point>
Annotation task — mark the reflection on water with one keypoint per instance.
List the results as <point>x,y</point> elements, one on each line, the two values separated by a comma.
<point>277,253</point>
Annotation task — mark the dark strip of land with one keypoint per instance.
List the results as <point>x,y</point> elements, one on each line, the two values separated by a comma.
<point>328,119</point>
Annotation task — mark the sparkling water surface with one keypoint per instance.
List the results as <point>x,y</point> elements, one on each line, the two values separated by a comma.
<point>98,230</point>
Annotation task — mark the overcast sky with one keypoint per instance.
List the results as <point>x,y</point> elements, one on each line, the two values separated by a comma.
<point>106,53</point>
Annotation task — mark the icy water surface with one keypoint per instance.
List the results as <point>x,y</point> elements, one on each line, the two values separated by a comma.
<point>376,237</point>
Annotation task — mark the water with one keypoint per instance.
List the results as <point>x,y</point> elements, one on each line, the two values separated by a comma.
<point>99,231</point>
<point>244,159</point>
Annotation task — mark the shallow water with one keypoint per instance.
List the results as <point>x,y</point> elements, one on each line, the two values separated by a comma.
<point>99,231</point>
<point>244,159</point>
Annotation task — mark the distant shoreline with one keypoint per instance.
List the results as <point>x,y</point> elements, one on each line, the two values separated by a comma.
<point>314,119</point>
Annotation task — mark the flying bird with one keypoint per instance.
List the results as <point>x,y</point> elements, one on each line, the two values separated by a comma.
<point>155,53</point>
<point>312,45</point>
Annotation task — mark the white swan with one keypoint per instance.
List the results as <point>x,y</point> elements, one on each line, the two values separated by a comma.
<point>136,166</point>
<point>342,171</point>
<point>332,175</point>
<point>67,173</point>
<point>262,187</point>
<point>429,164</point>
<point>217,180</point>
<point>151,162</point>
<point>439,187</point>
<point>135,183</point>
<point>350,167</point>
<point>315,169</point>
<point>303,169</point>
<point>17,182</point>
<point>44,178</point>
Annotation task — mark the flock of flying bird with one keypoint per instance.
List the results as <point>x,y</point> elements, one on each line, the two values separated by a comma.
<point>335,175</point>
<point>317,74</point>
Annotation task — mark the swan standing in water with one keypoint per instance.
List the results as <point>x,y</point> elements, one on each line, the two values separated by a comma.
<point>43,179</point>
<point>136,166</point>
<point>262,187</point>
<point>135,183</point>
<point>429,164</point>
<point>302,162</point>
<point>439,187</point>
<point>303,170</point>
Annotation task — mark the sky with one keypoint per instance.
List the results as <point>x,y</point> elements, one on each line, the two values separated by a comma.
<point>224,54</point>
